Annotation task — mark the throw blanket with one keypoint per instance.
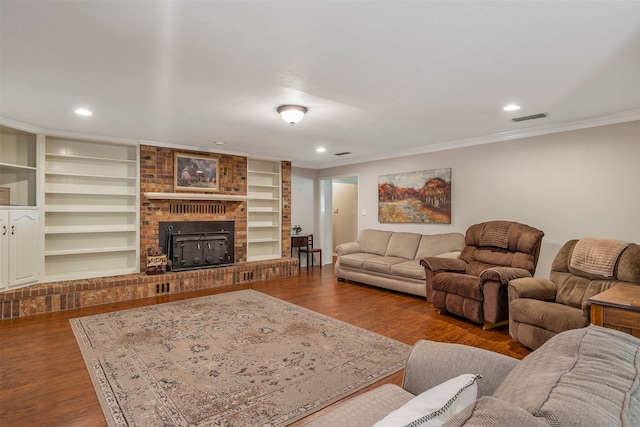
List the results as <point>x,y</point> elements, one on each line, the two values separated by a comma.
<point>597,256</point>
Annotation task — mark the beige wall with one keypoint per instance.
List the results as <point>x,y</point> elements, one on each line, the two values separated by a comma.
<point>570,185</point>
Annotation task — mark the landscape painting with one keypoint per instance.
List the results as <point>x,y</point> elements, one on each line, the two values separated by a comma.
<point>421,197</point>
<point>195,173</point>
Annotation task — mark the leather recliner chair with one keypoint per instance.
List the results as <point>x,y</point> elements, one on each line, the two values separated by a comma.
<point>474,286</point>
<point>541,308</point>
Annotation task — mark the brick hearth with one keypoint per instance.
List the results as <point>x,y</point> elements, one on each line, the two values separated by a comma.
<point>67,295</point>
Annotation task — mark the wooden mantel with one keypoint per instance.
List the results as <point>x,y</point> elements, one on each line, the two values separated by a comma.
<point>193,196</point>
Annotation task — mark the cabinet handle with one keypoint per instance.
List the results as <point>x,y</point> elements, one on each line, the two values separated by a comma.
<point>13,230</point>
<point>4,230</point>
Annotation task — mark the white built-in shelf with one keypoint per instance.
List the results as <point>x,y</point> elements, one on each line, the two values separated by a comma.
<point>266,240</point>
<point>85,175</point>
<point>276,199</point>
<point>264,212</point>
<point>263,209</point>
<point>265,257</point>
<point>91,209</point>
<point>19,167</point>
<point>89,229</point>
<point>193,196</point>
<point>265,185</point>
<point>254,172</point>
<point>88,251</point>
<point>91,193</point>
<point>89,158</point>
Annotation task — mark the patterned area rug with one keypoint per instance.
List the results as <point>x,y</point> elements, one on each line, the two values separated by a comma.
<point>236,359</point>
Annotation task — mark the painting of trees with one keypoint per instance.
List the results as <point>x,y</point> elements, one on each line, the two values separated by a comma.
<point>420,197</point>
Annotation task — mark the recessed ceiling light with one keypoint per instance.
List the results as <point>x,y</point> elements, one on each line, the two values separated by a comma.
<point>219,143</point>
<point>321,149</point>
<point>511,107</point>
<point>83,112</point>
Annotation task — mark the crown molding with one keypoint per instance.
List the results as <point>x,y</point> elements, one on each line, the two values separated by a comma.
<point>626,116</point>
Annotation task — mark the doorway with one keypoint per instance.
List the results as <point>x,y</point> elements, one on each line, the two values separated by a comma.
<point>339,208</point>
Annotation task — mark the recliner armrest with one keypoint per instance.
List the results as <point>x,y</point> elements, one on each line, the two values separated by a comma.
<point>348,248</point>
<point>444,264</point>
<point>533,288</point>
<point>431,363</point>
<point>503,274</point>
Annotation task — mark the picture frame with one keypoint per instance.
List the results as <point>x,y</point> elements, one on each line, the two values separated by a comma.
<point>195,172</point>
<point>415,197</point>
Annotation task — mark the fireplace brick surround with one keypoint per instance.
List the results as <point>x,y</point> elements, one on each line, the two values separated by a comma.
<point>156,175</point>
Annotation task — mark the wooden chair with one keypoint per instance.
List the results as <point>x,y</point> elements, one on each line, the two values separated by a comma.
<point>310,251</point>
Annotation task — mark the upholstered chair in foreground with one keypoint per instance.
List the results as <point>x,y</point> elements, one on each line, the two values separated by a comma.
<point>541,308</point>
<point>475,285</point>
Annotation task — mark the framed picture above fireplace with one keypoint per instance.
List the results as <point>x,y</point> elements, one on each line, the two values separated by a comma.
<point>195,172</point>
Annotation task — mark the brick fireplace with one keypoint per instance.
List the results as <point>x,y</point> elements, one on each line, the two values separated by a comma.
<point>157,175</point>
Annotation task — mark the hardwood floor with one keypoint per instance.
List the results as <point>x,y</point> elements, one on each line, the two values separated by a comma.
<point>44,382</point>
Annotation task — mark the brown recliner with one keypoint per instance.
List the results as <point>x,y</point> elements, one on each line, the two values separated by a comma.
<point>474,286</point>
<point>541,308</point>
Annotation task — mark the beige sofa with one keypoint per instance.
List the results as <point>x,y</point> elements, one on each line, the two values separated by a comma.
<point>581,377</point>
<point>391,260</point>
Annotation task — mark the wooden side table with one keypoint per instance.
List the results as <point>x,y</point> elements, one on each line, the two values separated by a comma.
<point>300,241</point>
<point>618,308</point>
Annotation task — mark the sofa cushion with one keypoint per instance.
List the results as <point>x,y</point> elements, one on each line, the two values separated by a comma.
<point>381,264</point>
<point>600,363</point>
<point>355,260</point>
<point>411,269</point>
<point>489,411</point>
<point>437,244</point>
<point>403,245</point>
<point>436,405</point>
<point>374,241</point>
<point>458,284</point>
<point>557,317</point>
<point>364,409</point>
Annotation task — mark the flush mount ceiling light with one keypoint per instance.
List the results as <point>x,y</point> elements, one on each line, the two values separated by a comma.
<point>511,107</point>
<point>83,112</point>
<point>321,149</point>
<point>292,114</point>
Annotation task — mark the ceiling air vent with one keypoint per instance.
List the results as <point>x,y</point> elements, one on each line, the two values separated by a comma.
<point>531,117</point>
<point>344,153</point>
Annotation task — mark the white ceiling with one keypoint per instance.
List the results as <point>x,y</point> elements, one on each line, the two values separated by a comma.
<point>380,78</point>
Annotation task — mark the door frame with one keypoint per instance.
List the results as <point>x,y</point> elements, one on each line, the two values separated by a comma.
<point>326,211</point>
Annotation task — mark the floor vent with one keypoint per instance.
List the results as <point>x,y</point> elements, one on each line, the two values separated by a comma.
<point>531,117</point>
<point>344,153</point>
<point>242,277</point>
<point>163,288</point>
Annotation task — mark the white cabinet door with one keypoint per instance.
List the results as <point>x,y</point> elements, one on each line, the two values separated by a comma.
<point>4,250</point>
<point>21,257</point>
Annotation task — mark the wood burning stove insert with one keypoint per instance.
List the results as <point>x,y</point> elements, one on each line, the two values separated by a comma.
<point>197,244</point>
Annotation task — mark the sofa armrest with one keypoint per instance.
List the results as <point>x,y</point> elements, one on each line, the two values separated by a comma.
<point>503,274</point>
<point>444,264</point>
<point>431,363</point>
<point>348,248</point>
<point>533,288</point>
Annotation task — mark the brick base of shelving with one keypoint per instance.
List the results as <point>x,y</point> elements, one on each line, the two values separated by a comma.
<point>67,295</point>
